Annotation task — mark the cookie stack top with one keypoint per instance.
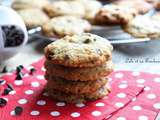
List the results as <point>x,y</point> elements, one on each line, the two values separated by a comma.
<point>85,50</point>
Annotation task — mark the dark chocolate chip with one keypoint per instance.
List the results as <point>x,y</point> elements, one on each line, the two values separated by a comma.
<point>3,102</point>
<point>32,70</point>
<point>5,69</point>
<point>19,76</point>
<point>87,41</point>
<point>1,82</point>
<point>6,91</point>
<point>10,86</point>
<point>18,110</point>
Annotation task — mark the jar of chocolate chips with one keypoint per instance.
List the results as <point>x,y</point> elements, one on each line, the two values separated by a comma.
<point>13,33</point>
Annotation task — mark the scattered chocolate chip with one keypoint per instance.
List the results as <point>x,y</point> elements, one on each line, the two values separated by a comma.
<point>32,70</point>
<point>3,102</point>
<point>6,91</point>
<point>19,76</point>
<point>21,66</point>
<point>18,110</point>
<point>10,86</point>
<point>5,69</point>
<point>14,35</point>
<point>2,82</point>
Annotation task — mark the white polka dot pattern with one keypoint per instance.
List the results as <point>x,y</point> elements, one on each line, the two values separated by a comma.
<point>29,92</point>
<point>35,113</point>
<point>75,114</point>
<point>22,101</point>
<point>136,108</point>
<point>119,75</point>
<point>55,113</point>
<point>121,118</point>
<point>18,82</point>
<point>41,102</point>
<point>35,84</point>
<point>142,117</point>
<point>121,95</point>
<point>60,104</point>
<point>96,113</point>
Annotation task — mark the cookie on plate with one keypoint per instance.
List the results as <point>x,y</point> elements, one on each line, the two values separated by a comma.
<point>60,8</point>
<point>33,17</point>
<point>140,5</point>
<point>143,26</point>
<point>75,87</point>
<point>25,4</point>
<point>65,25</point>
<point>115,14</point>
<point>79,74</point>
<point>77,98</point>
<point>84,50</point>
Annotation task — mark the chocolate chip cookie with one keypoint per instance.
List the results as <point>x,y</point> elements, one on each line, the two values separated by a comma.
<point>65,25</point>
<point>140,5</point>
<point>25,4</point>
<point>33,17</point>
<point>60,8</point>
<point>75,87</point>
<point>84,50</point>
<point>143,27</point>
<point>77,98</point>
<point>115,14</point>
<point>82,74</point>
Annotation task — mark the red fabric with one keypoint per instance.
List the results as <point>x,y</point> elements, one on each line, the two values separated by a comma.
<point>120,104</point>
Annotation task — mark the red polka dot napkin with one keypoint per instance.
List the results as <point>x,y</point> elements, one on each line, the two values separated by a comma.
<point>134,96</point>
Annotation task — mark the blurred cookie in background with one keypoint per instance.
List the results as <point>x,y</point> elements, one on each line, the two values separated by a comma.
<point>25,4</point>
<point>33,17</point>
<point>65,25</point>
<point>140,5</point>
<point>115,14</point>
<point>142,27</point>
<point>60,8</point>
<point>157,4</point>
<point>91,8</point>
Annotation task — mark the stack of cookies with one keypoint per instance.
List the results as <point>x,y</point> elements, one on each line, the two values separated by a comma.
<point>77,68</point>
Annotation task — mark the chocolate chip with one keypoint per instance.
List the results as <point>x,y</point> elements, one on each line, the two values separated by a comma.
<point>18,110</point>
<point>32,70</point>
<point>3,102</point>
<point>19,76</point>
<point>66,57</point>
<point>19,68</point>
<point>10,86</point>
<point>5,69</point>
<point>2,82</point>
<point>6,91</point>
<point>87,41</point>
<point>14,35</point>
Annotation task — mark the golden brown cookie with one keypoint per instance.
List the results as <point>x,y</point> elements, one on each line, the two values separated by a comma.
<point>157,4</point>
<point>61,8</point>
<point>33,17</point>
<point>75,87</point>
<point>82,74</point>
<point>84,50</point>
<point>142,27</point>
<point>115,14</point>
<point>25,4</point>
<point>65,25</point>
<point>77,98</point>
<point>140,5</point>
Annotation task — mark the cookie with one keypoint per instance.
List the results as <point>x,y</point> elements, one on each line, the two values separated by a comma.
<point>84,50</point>
<point>75,87</point>
<point>157,4</point>
<point>77,98</point>
<point>61,8</point>
<point>115,14</point>
<point>25,4</point>
<point>82,74</point>
<point>91,8</point>
<point>143,27</point>
<point>33,17</point>
<point>140,5</point>
<point>65,25</point>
